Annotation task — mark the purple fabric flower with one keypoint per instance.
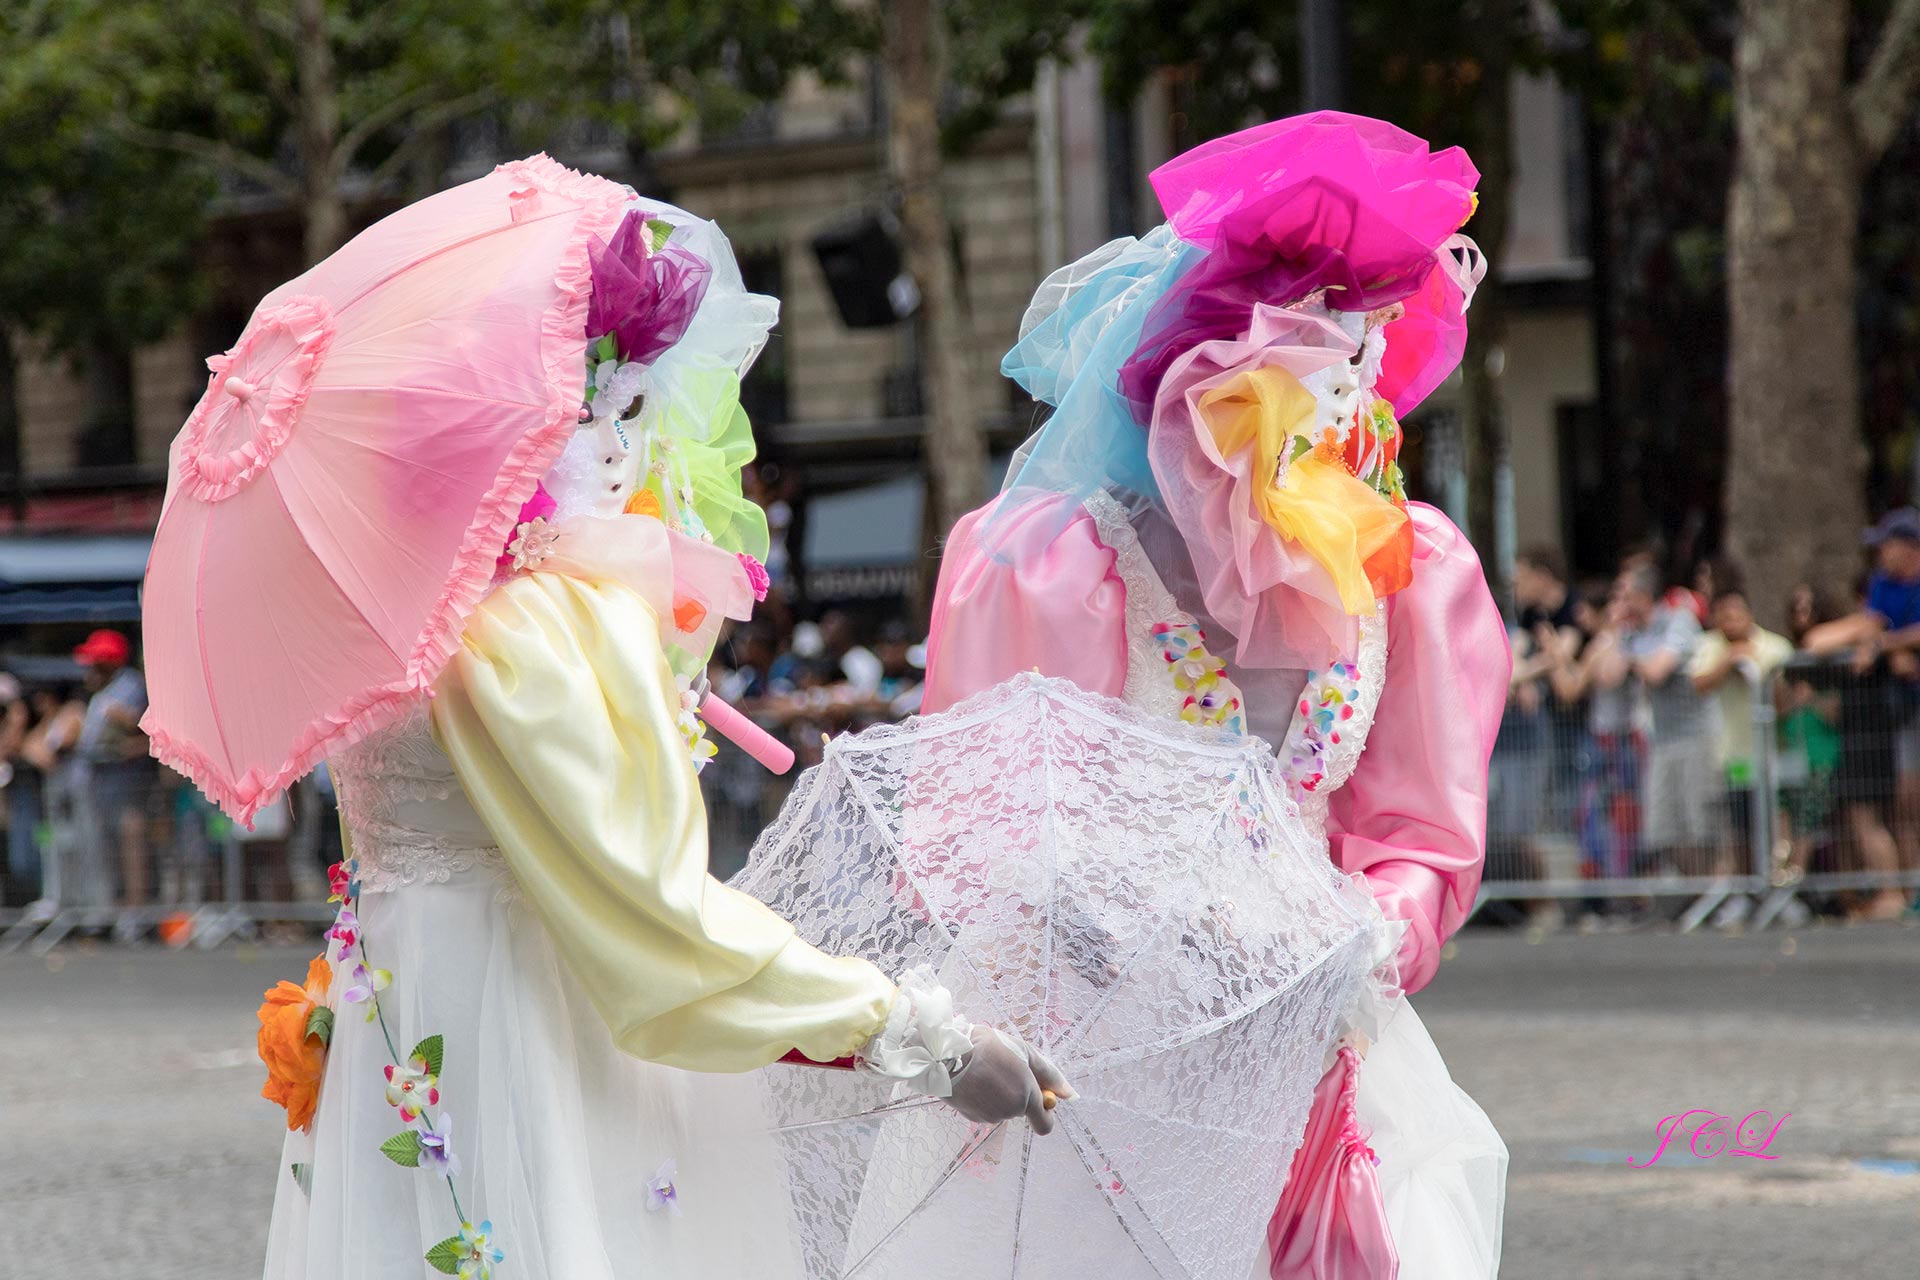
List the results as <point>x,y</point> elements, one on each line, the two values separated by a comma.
<point>346,932</point>
<point>436,1145</point>
<point>1279,248</point>
<point>644,297</point>
<point>661,1193</point>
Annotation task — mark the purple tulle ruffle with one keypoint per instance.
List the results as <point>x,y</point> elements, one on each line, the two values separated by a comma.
<point>646,300</point>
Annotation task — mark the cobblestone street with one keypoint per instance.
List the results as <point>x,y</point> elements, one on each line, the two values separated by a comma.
<point>132,1142</point>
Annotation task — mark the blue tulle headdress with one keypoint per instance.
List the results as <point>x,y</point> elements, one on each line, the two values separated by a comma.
<point>1083,325</point>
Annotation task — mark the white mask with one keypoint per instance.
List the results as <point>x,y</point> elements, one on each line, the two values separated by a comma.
<point>596,474</point>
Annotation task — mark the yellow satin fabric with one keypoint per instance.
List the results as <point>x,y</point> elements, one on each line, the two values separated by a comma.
<point>1337,518</point>
<point>559,714</point>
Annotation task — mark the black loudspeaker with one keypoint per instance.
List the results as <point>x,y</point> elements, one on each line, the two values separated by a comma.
<point>861,261</point>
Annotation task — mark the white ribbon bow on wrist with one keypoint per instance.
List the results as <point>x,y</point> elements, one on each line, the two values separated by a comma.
<point>924,1042</point>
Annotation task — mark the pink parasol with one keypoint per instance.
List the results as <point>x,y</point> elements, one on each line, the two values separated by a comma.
<point>338,498</point>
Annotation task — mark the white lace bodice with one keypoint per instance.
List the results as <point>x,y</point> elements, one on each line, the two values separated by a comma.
<point>1333,712</point>
<point>409,820</point>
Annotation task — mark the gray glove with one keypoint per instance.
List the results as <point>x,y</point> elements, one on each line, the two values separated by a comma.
<point>1002,1079</point>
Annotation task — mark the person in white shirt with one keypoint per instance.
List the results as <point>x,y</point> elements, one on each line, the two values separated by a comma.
<point>1734,665</point>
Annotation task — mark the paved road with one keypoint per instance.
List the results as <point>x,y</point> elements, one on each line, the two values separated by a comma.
<point>132,1143</point>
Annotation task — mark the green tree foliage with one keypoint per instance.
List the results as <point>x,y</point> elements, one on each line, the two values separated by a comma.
<point>123,123</point>
<point>327,102</point>
<point>96,235</point>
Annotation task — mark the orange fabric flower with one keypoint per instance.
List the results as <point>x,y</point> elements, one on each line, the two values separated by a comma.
<point>688,614</point>
<point>295,1060</point>
<point>644,503</point>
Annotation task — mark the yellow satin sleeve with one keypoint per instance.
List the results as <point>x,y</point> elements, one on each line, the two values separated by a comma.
<point>559,715</point>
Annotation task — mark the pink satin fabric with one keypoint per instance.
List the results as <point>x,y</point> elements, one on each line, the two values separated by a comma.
<point>1413,821</point>
<point>1331,1223</point>
<point>1036,589</point>
<point>1413,818</point>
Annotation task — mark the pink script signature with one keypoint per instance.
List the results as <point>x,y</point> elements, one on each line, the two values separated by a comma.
<point>1712,1138</point>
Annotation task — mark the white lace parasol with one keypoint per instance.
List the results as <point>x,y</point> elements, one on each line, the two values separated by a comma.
<point>1132,895</point>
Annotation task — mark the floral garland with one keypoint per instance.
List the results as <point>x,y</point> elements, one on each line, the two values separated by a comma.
<point>1209,696</point>
<point>296,1030</point>
<point>1325,704</point>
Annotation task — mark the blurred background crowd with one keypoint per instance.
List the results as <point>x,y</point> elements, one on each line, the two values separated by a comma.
<point>110,843</point>
<point>1656,736</point>
<point>1675,417</point>
<point>1655,731</point>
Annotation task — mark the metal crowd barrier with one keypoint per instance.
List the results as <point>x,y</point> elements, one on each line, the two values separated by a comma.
<point>210,918</point>
<point>1830,804</point>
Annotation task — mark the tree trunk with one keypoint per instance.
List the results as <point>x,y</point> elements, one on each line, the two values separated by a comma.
<point>956,447</point>
<point>318,128</point>
<point>13,441</point>
<point>1797,460</point>
<point>1482,366</point>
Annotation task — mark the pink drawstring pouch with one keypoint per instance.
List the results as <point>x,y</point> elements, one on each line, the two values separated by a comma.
<point>1331,1223</point>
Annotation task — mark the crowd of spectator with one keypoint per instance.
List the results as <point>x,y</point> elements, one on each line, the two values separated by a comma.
<point>1653,729</point>
<point>1645,715</point>
<point>802,682</point>
<point>97,831</point>
<point>94,827</point>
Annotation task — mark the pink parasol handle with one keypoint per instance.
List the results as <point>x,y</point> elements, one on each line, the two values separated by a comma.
<point>746,735</point>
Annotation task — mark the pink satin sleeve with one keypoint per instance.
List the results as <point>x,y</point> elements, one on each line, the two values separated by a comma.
<point>1034,588</point>
<point>1413,818</point>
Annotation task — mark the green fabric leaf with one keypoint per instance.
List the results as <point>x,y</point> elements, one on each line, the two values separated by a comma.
<point>446,1255</point>
<point>320,1023</point>
<point>660,231</point>
<point>604,349</point>
<point>403,1149</point>
<point>429,1049</point>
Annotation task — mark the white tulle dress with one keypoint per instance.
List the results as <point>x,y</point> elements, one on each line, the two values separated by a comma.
<point>562,1139</point>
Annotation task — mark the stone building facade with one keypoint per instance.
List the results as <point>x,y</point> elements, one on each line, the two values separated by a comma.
<point>1058,176</point>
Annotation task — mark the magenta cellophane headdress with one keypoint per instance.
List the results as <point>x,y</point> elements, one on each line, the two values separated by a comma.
<point>1327,201</point>
<point>1262,227</point>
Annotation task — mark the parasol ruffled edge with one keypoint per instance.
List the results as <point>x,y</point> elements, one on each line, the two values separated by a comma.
<point>562,340</point>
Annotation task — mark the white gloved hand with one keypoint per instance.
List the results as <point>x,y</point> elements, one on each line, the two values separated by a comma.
<point>1002,1079</point>
<point>986,1075</point>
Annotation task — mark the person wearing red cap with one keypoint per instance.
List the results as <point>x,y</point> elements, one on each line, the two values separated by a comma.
<point>119,772</point>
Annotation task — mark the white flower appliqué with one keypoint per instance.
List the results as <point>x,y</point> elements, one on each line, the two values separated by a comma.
<point>532,544</point>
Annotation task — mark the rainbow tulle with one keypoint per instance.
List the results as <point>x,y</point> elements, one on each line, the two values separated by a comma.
<point>1327,201</point>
